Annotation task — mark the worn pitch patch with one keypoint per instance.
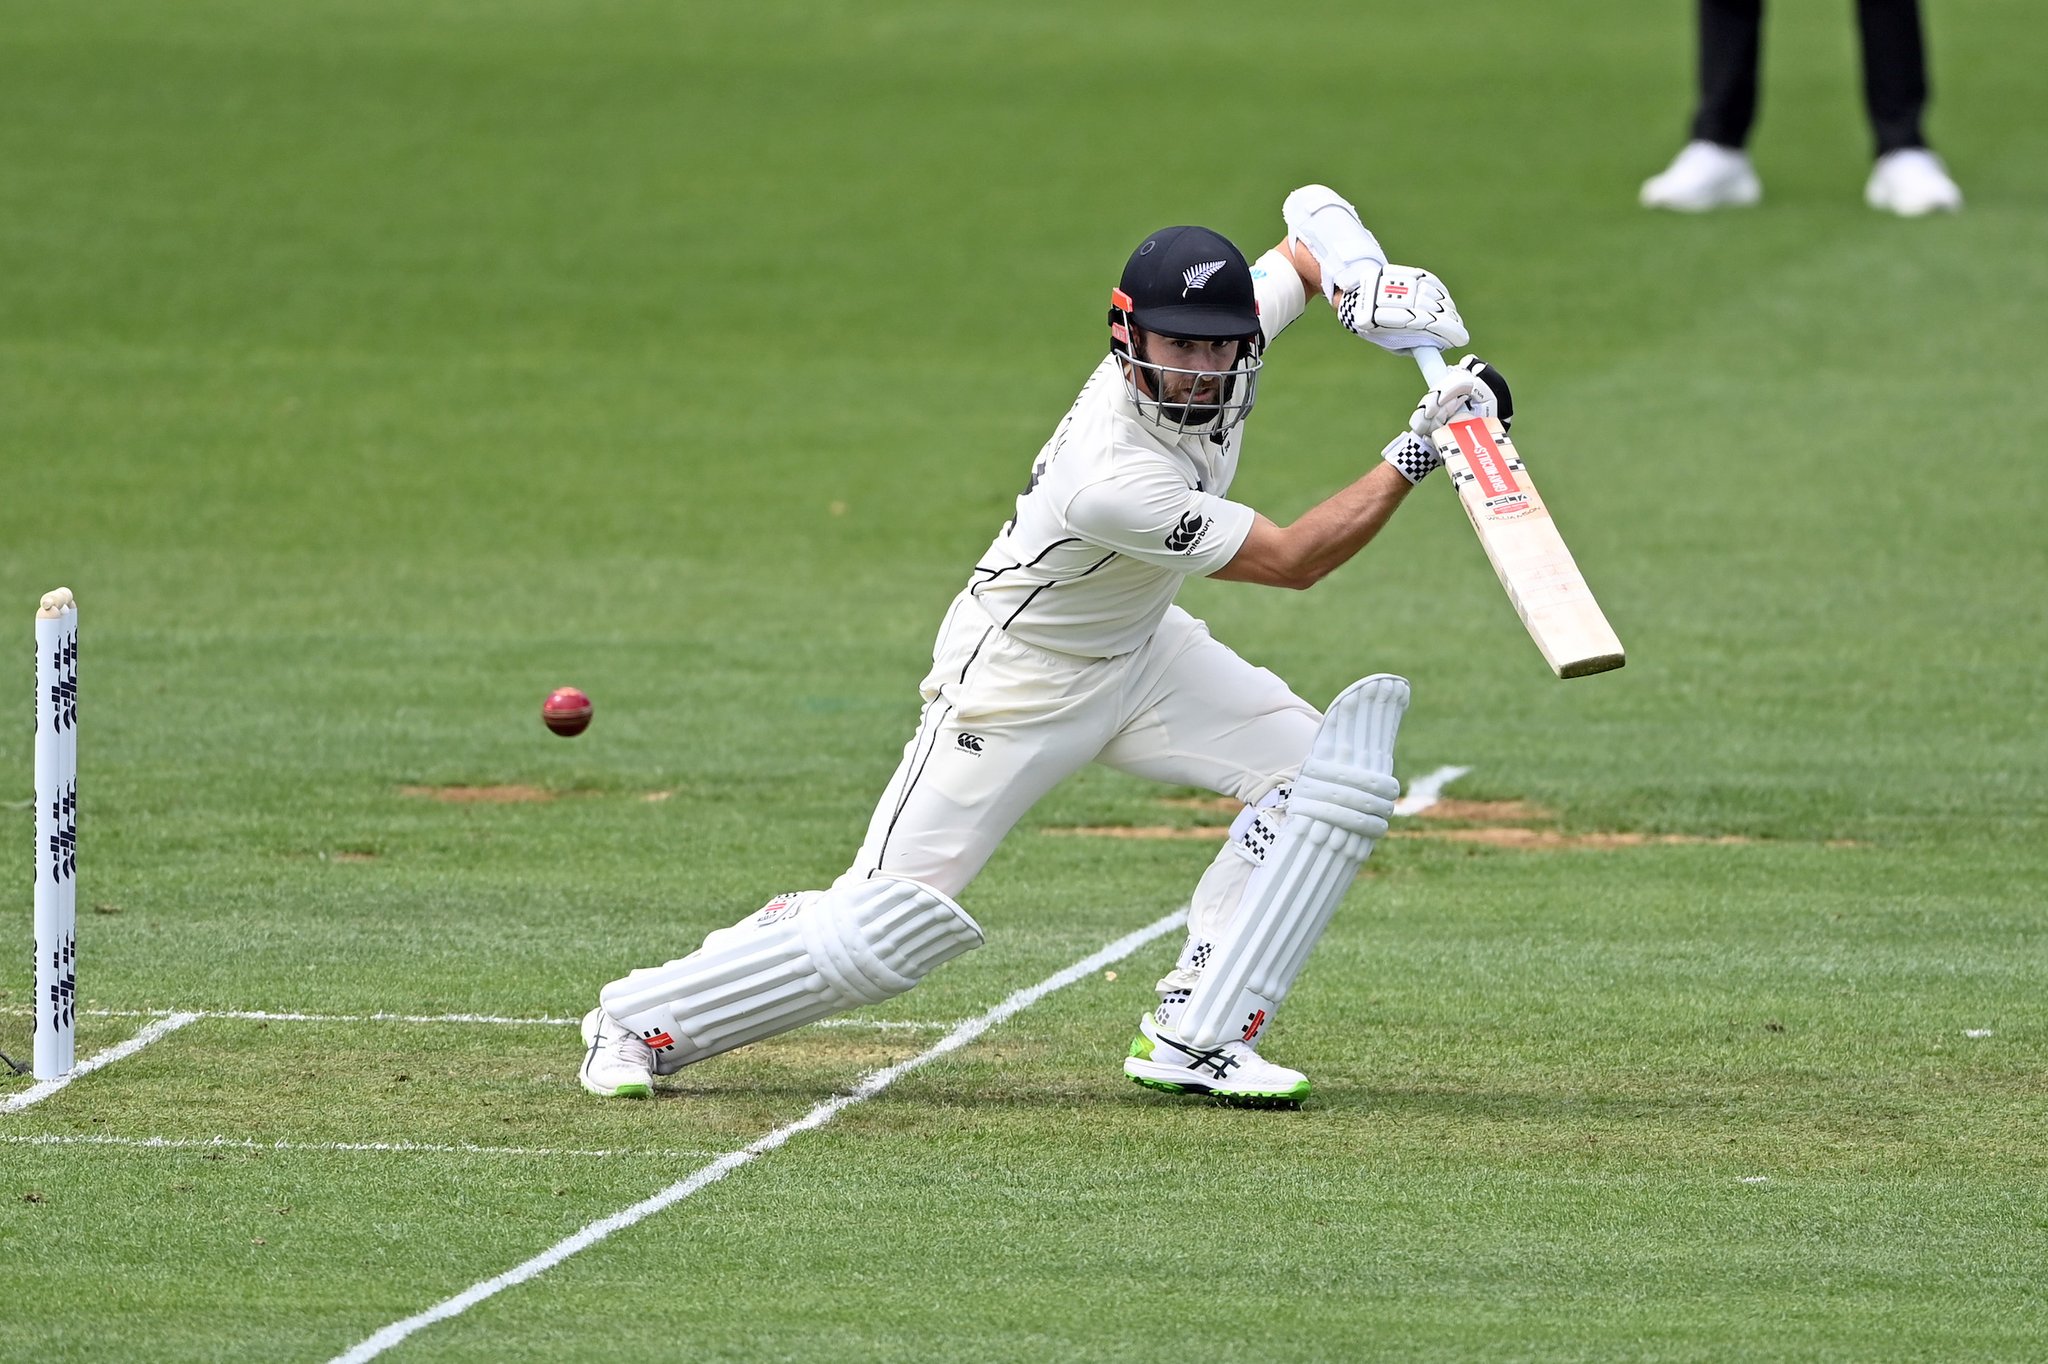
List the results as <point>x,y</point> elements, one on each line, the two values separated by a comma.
<point>481,795</point>
<point>1513,824</point>
<point>1511,836</point>
<point>1489,811</point>
<point>511,793</point>
<point>1198,833</point>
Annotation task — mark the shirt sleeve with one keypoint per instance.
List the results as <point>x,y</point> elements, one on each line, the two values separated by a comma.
<point>1281,296</point>
<point>1153,516</point>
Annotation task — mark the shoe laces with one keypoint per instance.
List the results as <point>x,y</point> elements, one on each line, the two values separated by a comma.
<point>620,1043</point>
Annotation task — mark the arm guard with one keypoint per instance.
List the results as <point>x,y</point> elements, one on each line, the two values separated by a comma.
<point>1325,222</point>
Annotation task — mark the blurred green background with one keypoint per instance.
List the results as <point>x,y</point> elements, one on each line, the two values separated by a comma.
<point>370,369</point>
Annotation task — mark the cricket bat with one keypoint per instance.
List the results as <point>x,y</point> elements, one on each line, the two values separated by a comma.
<point>1522,542</point>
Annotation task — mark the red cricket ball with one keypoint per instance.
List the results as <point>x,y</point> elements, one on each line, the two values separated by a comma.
<point>566,711</point>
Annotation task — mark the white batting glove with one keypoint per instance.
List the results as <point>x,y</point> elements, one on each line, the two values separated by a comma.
<point>1402,309</point>
<point>1470,386</point>
<point>1394,306</point>
<point>1412,455</point>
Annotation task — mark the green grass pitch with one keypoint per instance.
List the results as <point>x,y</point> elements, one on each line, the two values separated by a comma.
<point>370,368</point>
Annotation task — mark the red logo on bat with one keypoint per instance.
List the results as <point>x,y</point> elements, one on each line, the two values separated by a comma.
<point>1498,488</point>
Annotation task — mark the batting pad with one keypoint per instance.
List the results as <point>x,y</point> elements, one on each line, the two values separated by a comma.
<point>1337,812</point>
<point>798,959</point>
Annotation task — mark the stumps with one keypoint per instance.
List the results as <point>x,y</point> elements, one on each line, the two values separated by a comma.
<point>56,1001</point>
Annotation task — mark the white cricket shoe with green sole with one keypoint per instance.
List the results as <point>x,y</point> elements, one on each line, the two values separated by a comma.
<point>616,1063</point>
<point>1231,1074</point>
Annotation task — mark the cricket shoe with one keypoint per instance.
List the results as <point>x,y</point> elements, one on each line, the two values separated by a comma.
<point>1912,183</point>
<point>616,1063</point>
<point>1232,1074</point>
<point>1704,176</point>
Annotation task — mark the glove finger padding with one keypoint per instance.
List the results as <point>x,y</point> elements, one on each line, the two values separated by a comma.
<point>1447,398</point>
<point>1472,386</point>
<point>1404,309</point>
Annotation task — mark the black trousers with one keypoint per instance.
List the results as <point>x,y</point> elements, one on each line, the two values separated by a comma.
<point>1894,70</point>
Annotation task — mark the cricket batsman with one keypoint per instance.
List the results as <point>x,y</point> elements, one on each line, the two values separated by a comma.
<point>1064,647</point>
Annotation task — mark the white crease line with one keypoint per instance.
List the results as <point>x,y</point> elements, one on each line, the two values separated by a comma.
<point>268,1016</point>
<point>292,1016</point>
<point>1424,791</point>
<point>399,1147</point>
<point>285,1016</point>
<point>43,1089</point>
<point>718,1169</point>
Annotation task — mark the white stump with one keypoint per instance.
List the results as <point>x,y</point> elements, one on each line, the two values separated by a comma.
<point>56,1021</point>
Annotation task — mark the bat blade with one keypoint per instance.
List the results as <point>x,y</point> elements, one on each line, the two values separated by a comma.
<point>1528,554</point>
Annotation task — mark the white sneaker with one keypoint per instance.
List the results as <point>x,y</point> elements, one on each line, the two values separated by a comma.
<point>616,1063</point>
<point>1703,176</point>
<point>1233,1073</point>
<point>1912,183</point>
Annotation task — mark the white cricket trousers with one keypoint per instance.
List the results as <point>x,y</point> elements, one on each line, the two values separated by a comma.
<point>1004,722</point>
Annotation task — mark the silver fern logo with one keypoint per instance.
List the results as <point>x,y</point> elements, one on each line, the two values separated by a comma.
<point>1195,276</point>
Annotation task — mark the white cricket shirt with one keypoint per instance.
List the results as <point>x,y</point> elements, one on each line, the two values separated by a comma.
<point>1117,513</point>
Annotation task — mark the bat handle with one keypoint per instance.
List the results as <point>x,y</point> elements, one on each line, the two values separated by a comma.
<point>1430,361</point>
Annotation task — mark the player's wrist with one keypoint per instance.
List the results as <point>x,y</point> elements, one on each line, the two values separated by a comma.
<point>1412,456</point>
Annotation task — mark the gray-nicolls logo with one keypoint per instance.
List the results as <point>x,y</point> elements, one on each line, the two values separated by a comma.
<point>787,905</point>
<point>969,743</point>
<point>1195,276</point>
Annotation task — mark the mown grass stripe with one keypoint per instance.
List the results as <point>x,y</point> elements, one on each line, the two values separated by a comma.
<point>718,1169</point>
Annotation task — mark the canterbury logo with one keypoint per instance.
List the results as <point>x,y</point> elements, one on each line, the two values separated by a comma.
<point>1188,533</point>
<point>969,743</point>
<point>1195,276</point>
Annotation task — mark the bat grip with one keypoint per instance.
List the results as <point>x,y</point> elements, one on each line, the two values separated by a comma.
<point>1430,361</point>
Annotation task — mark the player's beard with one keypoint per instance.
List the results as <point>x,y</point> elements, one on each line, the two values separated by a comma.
<point>1201,409</point>
<point>1188,402</point>
<point>1198,406</point>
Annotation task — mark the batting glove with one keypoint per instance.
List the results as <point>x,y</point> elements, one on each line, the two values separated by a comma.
<point>1472,386</point>
<point>1402,308</point>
